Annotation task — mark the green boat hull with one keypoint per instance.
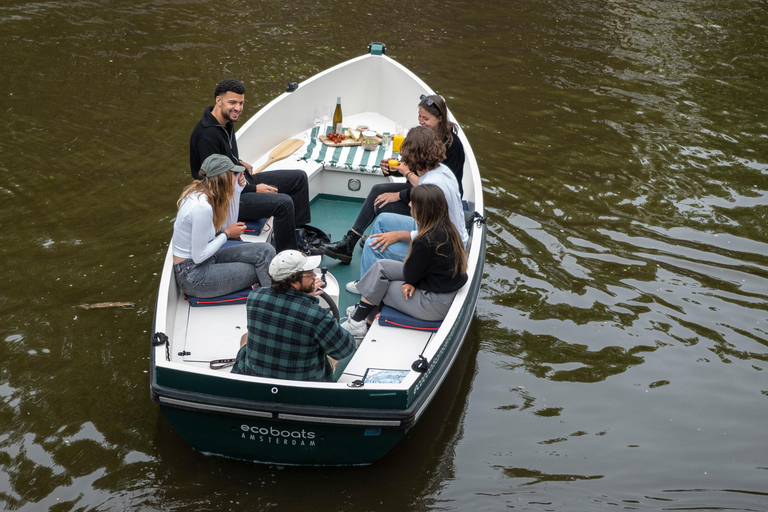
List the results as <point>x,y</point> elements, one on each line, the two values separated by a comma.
<point>281,442</point>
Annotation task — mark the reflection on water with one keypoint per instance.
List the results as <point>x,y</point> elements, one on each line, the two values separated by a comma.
<point>619,349</point>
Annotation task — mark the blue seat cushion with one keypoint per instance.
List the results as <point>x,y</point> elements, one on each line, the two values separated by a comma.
<point>238,297</point>
<point>391,317</point>
<point>254,227</point>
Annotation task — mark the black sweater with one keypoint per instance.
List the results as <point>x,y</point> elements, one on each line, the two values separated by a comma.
<point>209,138</point>
<point>429,271</point>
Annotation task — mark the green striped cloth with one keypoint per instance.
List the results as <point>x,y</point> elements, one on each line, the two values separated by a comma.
<point>345,157</point>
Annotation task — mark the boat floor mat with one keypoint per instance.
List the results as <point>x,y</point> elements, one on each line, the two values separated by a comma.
<point>335,217</point>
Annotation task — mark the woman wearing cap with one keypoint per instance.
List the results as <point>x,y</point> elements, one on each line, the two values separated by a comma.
<point>394,197</point>
<point>424,285</point>
<point>202,267</point>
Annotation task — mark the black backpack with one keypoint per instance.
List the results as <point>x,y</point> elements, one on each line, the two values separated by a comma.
<point>309,238</point>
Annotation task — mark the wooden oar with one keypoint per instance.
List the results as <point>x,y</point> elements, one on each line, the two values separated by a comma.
<point>284,150</point>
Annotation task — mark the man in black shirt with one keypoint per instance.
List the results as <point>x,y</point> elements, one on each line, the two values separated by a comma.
<point>283,194</point>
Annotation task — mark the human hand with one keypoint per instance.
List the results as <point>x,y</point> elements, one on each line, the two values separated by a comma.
<point>316,285</point>
<point>248,167</point>
<point>241,179</point>
<point>408,290</point>
<point>381,241</point>
<point>386,198</point>
<point>386,169</point>
<point>266,189</point>
<point>235,230</point>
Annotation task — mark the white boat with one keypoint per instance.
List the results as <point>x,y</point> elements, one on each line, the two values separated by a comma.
<point>359,418</point>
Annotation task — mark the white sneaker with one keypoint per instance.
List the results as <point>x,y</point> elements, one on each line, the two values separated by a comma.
<point>352,287</point>
<point>356,329</point>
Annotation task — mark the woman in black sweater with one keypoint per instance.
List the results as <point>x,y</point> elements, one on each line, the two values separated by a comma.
<point>424,285</point>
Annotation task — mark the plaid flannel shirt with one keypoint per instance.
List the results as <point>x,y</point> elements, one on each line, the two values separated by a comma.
<point>289,337</point>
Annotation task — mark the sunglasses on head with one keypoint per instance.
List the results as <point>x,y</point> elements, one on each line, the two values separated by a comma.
<point>429,101</point>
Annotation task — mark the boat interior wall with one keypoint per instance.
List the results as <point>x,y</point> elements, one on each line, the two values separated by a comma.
<point>167,303</point>
<point>337,182</point>
<point>362,78</point>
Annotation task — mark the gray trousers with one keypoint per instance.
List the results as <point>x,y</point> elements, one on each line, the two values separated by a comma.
<point>229,270</point>
<point>381,285</point>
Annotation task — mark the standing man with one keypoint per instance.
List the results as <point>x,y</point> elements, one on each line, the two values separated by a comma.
<point>289,335</point>
<point>282,194</point>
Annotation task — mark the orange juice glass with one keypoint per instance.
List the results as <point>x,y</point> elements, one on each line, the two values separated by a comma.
<point>393,163</point>
<point>397,141</point>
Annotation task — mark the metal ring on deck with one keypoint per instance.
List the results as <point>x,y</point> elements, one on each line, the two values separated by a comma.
<point>274,390</point>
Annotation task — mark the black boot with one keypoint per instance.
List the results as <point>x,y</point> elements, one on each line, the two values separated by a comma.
<point>343,249</point>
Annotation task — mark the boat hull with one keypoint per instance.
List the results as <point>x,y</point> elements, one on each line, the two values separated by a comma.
<point>281,442</point>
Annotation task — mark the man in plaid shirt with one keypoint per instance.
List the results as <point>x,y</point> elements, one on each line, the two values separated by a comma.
<point>289,335</point>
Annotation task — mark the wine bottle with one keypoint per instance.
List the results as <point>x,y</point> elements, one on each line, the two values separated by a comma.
<point>337,117</point>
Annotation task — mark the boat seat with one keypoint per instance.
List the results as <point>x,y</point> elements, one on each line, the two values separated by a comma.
<point>391,317</point>
<point>386,348</point>
<point>238,297</point>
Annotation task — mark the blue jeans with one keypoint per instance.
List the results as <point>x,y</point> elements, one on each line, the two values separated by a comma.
<point>384,223</point>
<point>229,270</point>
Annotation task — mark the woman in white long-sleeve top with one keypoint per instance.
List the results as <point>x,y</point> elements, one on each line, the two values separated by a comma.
<point>425,284</point>
<point>201,266</point>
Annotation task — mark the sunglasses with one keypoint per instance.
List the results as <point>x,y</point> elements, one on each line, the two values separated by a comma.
<point>429,102</point>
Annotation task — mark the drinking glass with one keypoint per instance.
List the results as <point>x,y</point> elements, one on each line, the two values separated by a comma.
<point>326,117</point>
<point>317,118</point>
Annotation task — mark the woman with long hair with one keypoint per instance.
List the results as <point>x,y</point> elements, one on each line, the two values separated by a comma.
<point>391,233</point>
<point>425,283</point>
<point>201,266</point>
<point>394,197</point>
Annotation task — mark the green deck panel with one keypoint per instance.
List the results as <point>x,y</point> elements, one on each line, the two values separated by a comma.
<point>335,215</point>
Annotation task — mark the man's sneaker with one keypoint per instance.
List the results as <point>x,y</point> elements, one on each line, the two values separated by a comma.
<point>352,287</point>
<point>356,329</point>
<point>341,250</point>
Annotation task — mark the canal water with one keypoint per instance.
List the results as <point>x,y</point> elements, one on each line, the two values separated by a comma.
<point>619,350</point>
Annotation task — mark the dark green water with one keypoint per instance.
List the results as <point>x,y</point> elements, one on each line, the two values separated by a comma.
<point>619,350</point>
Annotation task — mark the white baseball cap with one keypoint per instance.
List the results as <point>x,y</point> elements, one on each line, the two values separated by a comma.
<point>290,262</point>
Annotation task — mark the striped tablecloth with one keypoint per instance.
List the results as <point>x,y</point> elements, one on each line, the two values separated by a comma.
<point>349,157</point>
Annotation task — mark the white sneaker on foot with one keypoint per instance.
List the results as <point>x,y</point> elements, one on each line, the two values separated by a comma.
<point>358,329</point>
<point>352,287</point>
